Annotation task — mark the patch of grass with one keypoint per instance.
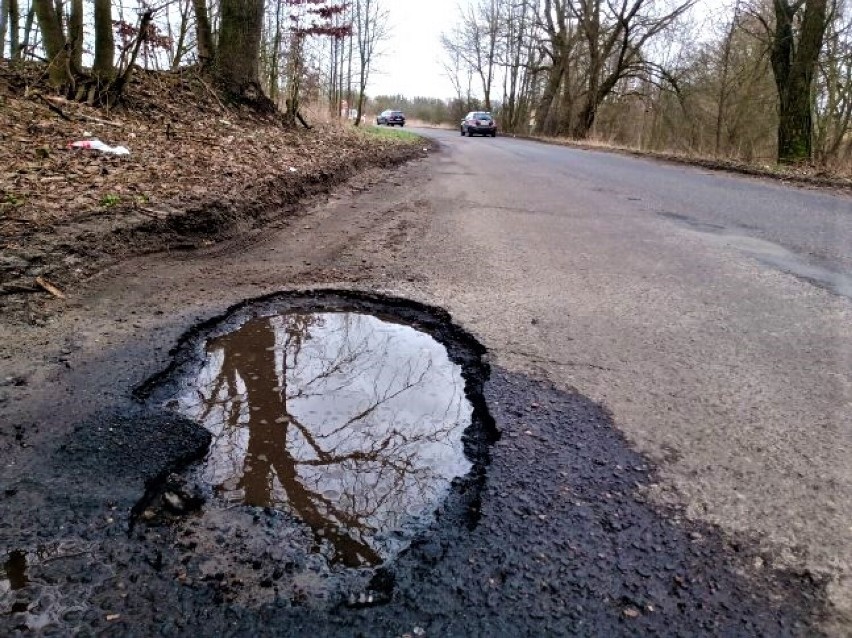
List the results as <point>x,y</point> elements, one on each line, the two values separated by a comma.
<point>109,200</point>
<point>392,133</point>
<point>13,200</point>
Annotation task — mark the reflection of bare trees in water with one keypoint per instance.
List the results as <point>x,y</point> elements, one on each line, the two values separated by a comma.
<point>350,421</point>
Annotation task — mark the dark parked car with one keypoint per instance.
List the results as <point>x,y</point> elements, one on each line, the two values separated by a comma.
<point>478,123</point>
<point>391,118</point>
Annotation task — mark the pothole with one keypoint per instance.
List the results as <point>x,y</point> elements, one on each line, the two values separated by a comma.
<point>14,573</point>
<point>340,424</point>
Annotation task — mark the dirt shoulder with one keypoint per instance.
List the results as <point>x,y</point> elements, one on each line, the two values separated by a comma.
<point>197,172</point>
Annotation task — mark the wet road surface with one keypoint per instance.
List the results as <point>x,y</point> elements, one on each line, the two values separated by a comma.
<point>651,378</point>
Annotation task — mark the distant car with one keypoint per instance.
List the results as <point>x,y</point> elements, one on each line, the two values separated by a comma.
<point>478,123</point>
<point>391,118</point>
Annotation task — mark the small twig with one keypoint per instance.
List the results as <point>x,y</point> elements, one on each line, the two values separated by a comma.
<point>302,121</point>
<point>211,92</point>
<point>90,118</point>
<point>53,107</point>
<point>49,287</point>
<point>16,289</point>
<point>150,212</point>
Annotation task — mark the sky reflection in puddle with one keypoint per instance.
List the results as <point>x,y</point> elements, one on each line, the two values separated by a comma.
<point>352,423</point>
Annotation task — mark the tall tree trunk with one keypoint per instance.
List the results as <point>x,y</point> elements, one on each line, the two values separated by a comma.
<point>15,29</point>
<point>349,75</point>
<point>238,60</point>
<point>75,34</point>
<point>274,65</point>
<point>28,29</point>
<point>4,21</point>
<point>566,104</point>
<point>794,65</point>
<point>53,41</point>
<point>180,47</point>
<point>333,109</point>
<point>204,34</point>
<point>543,115</point>
<point>362,86</point>
<point>103,66</point>
<point>722,104</point>
<point>294,81</point>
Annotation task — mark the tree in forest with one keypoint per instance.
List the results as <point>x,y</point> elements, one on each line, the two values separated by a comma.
<point>14,27</point>
<point>178,37</point>
<point>371,28</point>
<point>517,57</point>
<point>63,43</point>
<point>309,19</point>
<point>557,48</point>
<point>460,74</point>
<point>234,59</point>
<point>795,38</point>
<point>614,35</point>
<point>476,41</point>
<point>4,23</point>
<point>833,103</point>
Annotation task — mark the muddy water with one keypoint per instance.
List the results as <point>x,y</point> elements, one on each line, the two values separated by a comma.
<point>351,423</point>
<point>14,572</point>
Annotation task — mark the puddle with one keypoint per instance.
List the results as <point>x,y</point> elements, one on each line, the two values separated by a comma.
<point>351,423</point>
<point>14,574</point>
<point>344,427</point>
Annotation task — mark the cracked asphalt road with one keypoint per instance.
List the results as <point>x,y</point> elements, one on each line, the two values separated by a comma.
<point>697,317</point>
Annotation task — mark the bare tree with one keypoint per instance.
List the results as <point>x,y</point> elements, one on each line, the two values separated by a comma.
<point>795,34</point>
<point>614,35</point>
<point>75,33</point>
<point>556,45</point>
<point>204,33</point>
<point>458,72</point>
<point>238,57</point>
<point>833,99</point>
<point>794,61</point>
<point>19,51</point>
<point>103,66</point>
<point>4,23</point>
<point>180,43</point>
<point>54,42</point>
<point>371,28</point>
<point>724,85</point>
<point>516,60</point>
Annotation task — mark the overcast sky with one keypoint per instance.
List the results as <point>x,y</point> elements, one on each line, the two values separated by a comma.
<point>411,64</point>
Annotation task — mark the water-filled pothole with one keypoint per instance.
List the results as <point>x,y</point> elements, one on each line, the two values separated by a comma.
<point>350,418</point>
<point>14,573</point>
<point>350,422</point>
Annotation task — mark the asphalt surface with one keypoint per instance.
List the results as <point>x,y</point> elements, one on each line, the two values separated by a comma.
<point>672,295</point>
<point>686,333</point>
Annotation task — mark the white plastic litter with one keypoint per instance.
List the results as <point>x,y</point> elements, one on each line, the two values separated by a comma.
<point>97,145</point>
<point>293,169</point>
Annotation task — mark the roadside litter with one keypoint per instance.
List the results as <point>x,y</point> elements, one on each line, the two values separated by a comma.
<point>97,145</point>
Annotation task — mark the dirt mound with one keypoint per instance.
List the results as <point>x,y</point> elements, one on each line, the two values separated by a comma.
<point>196,171</point>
